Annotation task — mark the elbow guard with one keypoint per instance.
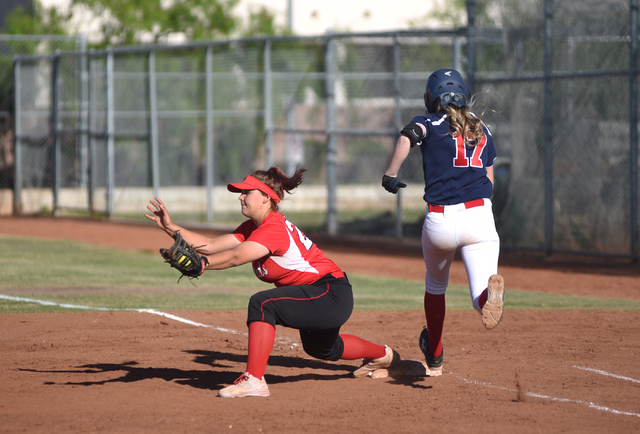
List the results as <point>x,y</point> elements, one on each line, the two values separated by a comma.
<point>414,133</point>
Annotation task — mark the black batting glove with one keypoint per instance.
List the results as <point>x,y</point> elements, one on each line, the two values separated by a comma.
<point>391,184</point>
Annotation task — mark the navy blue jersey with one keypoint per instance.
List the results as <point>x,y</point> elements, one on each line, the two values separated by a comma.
<point>453,172</point>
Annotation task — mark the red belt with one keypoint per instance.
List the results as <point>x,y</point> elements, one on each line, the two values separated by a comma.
<point>467,205</point>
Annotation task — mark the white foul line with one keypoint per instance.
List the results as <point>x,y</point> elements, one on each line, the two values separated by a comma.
<point>551,398</point>
<point>608,374</point>
<point>294,345</point>
<point>186,321</point>
<point>51,303</point>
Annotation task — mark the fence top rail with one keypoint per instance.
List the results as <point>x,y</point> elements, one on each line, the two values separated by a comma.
<point>483,77</point>
<point>40,37</point>
<point>451,32</point>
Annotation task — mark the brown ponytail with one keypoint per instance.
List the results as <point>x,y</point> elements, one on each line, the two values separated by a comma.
<point>279,182</point>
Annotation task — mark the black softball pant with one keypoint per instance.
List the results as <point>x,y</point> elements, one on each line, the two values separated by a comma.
<point>317,311</point>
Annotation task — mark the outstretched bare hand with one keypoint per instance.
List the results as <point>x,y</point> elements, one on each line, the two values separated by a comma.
<point>160,215</point>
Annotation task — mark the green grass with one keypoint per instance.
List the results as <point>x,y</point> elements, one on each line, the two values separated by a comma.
<point>397,294</point>
<point>81,274</point>
<point>28,262</point>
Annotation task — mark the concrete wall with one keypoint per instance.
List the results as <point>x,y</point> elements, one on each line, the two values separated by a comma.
<point>194,199</point>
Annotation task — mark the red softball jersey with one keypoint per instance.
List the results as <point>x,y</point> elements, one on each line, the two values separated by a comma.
<point>294,258</point>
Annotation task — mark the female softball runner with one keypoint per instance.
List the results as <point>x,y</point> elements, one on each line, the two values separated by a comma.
<point>457,159</point>
<point>312,294</point>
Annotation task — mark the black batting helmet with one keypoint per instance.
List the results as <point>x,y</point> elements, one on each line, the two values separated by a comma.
<point>449,86</point>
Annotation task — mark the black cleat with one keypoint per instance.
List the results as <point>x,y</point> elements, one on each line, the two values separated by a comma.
<point>433,363</point>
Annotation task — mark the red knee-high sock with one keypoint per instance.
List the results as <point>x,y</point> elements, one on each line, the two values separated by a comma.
<point>356,348</point>
<point>482,300</point>
<point>434,310</point>
<point>261,338</point>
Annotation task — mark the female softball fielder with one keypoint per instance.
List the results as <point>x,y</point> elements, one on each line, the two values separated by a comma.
<point>312,293</point>
<point>457,159</point>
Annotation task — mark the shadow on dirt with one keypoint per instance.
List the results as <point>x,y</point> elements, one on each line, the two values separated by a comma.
<point>214,378</point>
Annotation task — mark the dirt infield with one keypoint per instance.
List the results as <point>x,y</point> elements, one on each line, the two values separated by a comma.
<point>140,372</point>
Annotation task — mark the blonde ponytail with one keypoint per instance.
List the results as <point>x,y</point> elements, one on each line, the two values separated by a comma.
<point>465,123</point>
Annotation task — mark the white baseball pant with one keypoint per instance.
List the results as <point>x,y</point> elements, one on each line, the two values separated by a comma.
<point>473,230</point>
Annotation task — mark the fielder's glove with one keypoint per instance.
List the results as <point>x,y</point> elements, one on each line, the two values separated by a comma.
<point>392,184</point>
<point>184,258</point>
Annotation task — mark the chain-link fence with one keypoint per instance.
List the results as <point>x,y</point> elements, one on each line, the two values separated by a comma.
<point>184,121</point>
<point>10,46</point>
<point>105,131</point>
<point>563,84</point>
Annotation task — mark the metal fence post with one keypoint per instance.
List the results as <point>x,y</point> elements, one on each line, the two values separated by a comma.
<point>471,46</point>
<point>457,53</point>
<point>291,139</point>
<point>83,113</point>
<point>548,134</point>
<point>110,132</point>
<point>209,167</point>
<point>153,124</point>
<point>54,136</point>
<point>633,125</point>
<point>268,105</point>
<point>398,125</point>
<point>330,62</point>
<point>93,173</point>
<point>17,180</point>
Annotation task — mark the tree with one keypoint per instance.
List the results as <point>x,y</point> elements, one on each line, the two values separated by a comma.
<point>43,21</point>
<point>133,21</point>
<point>261,21</point>
<point>129,22</point>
